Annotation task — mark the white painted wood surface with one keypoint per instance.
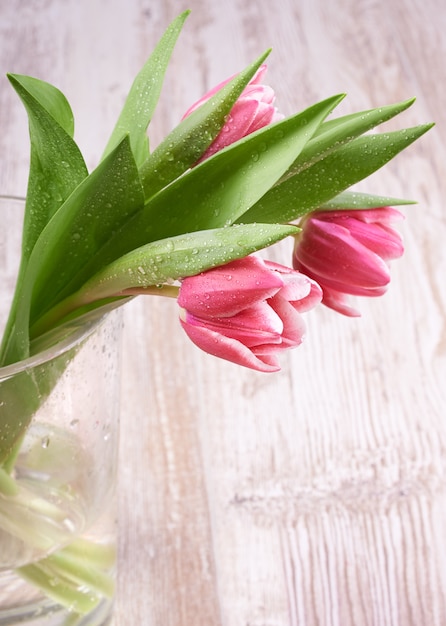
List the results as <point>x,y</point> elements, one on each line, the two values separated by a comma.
<point>316,496</point>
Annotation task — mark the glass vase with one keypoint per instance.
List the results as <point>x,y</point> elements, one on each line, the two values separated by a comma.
<point>59,425</point>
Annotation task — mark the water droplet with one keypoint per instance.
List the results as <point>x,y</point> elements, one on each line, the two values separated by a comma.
<point>69,525</point>
<point>45,442</point>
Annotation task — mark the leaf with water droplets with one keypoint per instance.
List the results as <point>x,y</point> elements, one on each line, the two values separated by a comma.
<point>143,96</point>
<point>356,200</point>
<point>60,265</point>
<point>325,179</point>
<point>186,143</point>
<point>333,133</point>
<point>56,169</point>
<point>57,266</point>
<point>57,166</point>
<point>219,190</point>
<point>170,259</point>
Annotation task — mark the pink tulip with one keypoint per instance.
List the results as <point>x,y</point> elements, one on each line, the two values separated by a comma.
<point>253,110</point>
<point>247,310</point>
<point>347,253</point>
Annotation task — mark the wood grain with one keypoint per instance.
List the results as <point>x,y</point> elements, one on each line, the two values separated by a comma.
<point>314,497</point>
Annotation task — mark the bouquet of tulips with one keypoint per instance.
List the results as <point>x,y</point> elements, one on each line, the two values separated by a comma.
<point>233,177</point>
<point>186,219</point>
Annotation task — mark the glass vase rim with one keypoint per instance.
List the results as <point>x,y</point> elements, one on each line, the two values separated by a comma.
<point>75,336</point>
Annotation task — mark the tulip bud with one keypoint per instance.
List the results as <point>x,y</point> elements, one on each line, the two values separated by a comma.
<point>347,253</point>
<point>247,310</point>
<point>253,110</point>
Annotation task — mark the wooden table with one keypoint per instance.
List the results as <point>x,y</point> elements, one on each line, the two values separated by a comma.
<point>315,496</point>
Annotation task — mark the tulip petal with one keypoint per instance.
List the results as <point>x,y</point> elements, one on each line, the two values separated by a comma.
<point>253,110</point>
<point>253,326</point>
<point>298,288</point>
<point>313,298</point>
<point>347,252</point>
<point>381,239</point>
<point>258,76</point>
<point>294,327</point>
<point>226,290</point>
<point>247,310</point>
<point>237,126</point>
<point>338,301</point>
<point>382,215</point>
<point>332,256</point>
<point>229,349</point>
<point>254,81</point>
<point>371,227</point>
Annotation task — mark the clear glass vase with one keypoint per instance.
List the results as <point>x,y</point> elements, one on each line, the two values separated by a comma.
<point>59,426</point>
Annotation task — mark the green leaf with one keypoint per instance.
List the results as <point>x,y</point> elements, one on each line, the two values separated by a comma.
<point>356,200</point>
<point>143,95</point>
<point>365,120</point>
<point>49,98</point>
<point>57,166</point>
<point>167,260</point>
<point>103,203</point>
<point>186,255</point>
<point>187,142</point>
<point>332,133</point>
<point>56,169</point>
<point>98,207</point>
<point>222,188</point>
<point>328,177</point>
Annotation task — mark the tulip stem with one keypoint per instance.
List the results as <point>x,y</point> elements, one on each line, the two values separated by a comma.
<point>169,291</point>
<point>78,300</point>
